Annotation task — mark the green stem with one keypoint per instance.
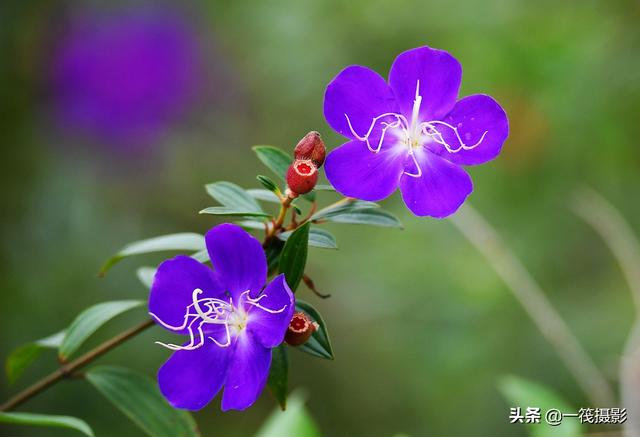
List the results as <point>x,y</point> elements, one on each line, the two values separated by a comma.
<point>70,368</point>
<point>535,302</point>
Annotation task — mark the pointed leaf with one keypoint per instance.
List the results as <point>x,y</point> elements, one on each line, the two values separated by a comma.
<point>252,224</point>
<point>186,241</point>
<point>138,397</point>
<point>201,256</point>
<point>268,183</point>
<point>21,358</point>
<point>277,160</point>
<point>89,321</point>
<point>225,210</point>
<point>374,217</point>
<point>522,393</point>
<point>317,238</point>
<point>233,196</point>
<point>342,207</point>
<point>324,187</point>
<point>145,275</point>
<point>319,344</point>
<point>49,420</point>
<point>295,421</point>
<point>310,196</point>
<point>273,251</point>
<point>264,195</point>
<point>294,256</point>
<point>279,375</point>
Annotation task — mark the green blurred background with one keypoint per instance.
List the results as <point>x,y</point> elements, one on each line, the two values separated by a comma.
<point>422,327</point>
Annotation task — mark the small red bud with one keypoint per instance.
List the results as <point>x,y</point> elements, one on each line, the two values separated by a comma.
<point>302,176</point>
<point>300,329</point>
<point>311,147</point>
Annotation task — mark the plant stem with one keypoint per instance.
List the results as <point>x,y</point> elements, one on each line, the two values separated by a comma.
<point>277,224</point>
<point>534,301</point>
<point>69,368</point>
<point>618,235</point>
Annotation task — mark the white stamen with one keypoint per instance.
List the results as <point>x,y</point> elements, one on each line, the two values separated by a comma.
<point>401,122</point>
<point>416,106</point>
<point>413,134</point>
<point>418,173</point>
<point>216,312</point>
<point>254,302</point>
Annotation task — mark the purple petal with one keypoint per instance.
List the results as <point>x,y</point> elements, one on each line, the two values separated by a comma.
<point>173,285</point>
<point>191,379</point>
<point>248,372</point>
<point>355,171</point>
<point>473,116</point>
<point>439,191</point>
<point>439,74</point>
<point>360,93</point>
<point>269,327</point>
<point>237,258</point>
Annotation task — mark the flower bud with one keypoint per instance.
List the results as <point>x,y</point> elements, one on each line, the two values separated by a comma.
<point>311,147</point>
<point>300,329</point>
<point>302,176</point>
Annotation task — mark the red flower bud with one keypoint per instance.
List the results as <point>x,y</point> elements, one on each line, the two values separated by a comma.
<point>300,329</point>
<point>311,147</point>
<point>302,176</point>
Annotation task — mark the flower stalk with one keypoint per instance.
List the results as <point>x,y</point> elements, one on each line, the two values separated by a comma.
<point>69,370</point>
<point>535,302</point>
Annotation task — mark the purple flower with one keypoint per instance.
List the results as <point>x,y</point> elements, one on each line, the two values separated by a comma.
<point>411,132</point>
<point>124,76</point>
<point>232,320</point>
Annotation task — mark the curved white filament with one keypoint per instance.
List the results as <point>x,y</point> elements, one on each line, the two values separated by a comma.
<point>400,122</point>
<point>414,134</point>
<point>418,172</point>
<point>254,302</point>
<point>429,129</point>
<point>211,311</point>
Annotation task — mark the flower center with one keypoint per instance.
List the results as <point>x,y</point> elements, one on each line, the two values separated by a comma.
<point>212,311</point>
<point>414,134</point>
<point>237,320</point>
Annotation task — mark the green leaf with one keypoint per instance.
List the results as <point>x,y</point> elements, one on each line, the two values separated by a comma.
<point>225,210</point>
<point>342,207</point>
<point>22,357</point>
<point>252,224</point>
<point>268,183</point>
<point>186,241</point>
<point>47,420</point>
<point>201,256</point>
<point>324,187</point>
<point>522,393</point>
<point>294,256</point>
<point>374,217</point>
<point>145,275</point>
<point>264,195</point>
<point>310,196</point>
<point>318,344</point>
<point>295,421</point>
<point>138,397</point>
<point>277,160</point>
<point>273,251</point>
<point>232,196</point>
<point>89,321</point>
<point>279,375</point>
<point>317,238</point>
